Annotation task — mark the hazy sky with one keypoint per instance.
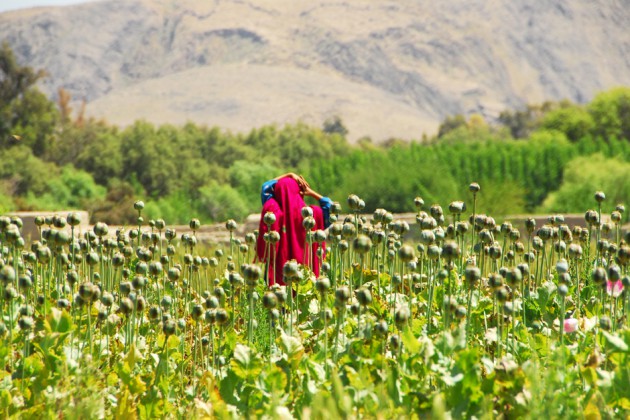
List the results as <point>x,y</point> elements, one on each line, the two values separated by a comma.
<point>21,4</point>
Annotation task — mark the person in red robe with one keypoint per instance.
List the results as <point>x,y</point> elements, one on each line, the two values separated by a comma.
<point>284,197</point>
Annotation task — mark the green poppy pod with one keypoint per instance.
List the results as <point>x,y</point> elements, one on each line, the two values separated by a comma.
<point>502,294</point>
<point>472,274</point>
<point>197,312</point>
<point>614,273</point>
<point>599,276</point>
<point>342,295</point>
<point>25,323</point>
<point>514,235</point>
<point>169,327</point>
<point>269,300</point>
<point>319,236</point>
<point>353,202</point>
<point>600,196</point>
<point>10,293</point>
<point>495,281</point>
<point>457,207</point>
<point>307,211</point>
<point>139,282</point>
<point>485,236</point>
<point>252,274</point>
<point>141,303</point>
<point>155,268</point>
<point>63,303</point>
<point>562,266</point>
<point>7,274</point>
<point>86,291</point>
<point>25,282</point>
<point>348,231</point>
<point>355,308</point>
<point>222,316</point>
<point>474,188</point>
<point>591,217</point>
<point>513,276</point>
<point>436,211</point>
<point>394,341</point>
<point>308,223</point>
<point>290,270</point>
<point>560,247</point>
<point>575,251</point>
<point>605,323</point>
<point>274,237</point>
<point>362,244</point>
<point>43,254</point>
<point>434,252</point>
<point>378,215</point>
<point>460,312</point>
<point>625,281</point>
<point>418,202</point>
<point>427,237</point>
<point>231,225</point>
<point>124,288</point>
<point>364,296</point>
<point>623,254</point>
<point>138,205</point>
<point>451,251</point>
<point>545,233</point>
<point>281,294</point>
<point>495,251</point>
<point>101,229</point>
<point>381,328</point>
<point>322,284</point>
<point>401,316</point>
<point>564,279</point>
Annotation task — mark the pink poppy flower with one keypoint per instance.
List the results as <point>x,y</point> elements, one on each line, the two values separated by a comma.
<point>614,288</point>
<point>570,325</point>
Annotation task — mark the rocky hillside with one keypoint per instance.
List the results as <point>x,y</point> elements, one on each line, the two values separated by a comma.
<point>387,68</point>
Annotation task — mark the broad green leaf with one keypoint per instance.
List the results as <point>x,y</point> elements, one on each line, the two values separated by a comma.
<point>245,362</point>
<point>615,342</point>
<point>59,321</point>
<point>410,342</point>
<point>292,347</point>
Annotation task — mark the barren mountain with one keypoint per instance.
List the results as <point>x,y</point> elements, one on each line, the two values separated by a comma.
<point>387,68</point>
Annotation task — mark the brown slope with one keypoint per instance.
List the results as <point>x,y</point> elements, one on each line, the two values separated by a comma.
<point>436,58</point>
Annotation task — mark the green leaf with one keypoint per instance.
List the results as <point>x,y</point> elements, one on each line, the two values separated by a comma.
<point>292,347</point>
<point>246,363</point>
<point>410,342</point>
<point>615,342</point>
<point>59,321</point>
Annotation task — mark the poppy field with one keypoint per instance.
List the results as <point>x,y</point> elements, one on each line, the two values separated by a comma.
<point>455,315</point>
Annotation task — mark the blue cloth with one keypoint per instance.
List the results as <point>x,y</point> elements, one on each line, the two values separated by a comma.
<point>267,192</point>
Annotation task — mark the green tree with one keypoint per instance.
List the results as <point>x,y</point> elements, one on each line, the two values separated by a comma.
<point>611,114</point>
<point>25,113</point>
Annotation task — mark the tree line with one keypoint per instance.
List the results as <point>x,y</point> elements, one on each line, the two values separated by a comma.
<point>54,158</point>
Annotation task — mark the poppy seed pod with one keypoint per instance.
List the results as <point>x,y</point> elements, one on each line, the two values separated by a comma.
<point>530,224</point>
<point>472,275</point>
<point>545,233</point>
<point>342,295</point>
<point>451,251</point>
<point>599,276</point>
<point>599,196</point>
<point>322,284</point>
<point>474,188</point>
<point>231,225</point>
<point>348,231</point>
<point>291,270</point>
<point>562,266</point>
<point>401,316</point>
<point>364,296</point>
<point>436,211</point>
<point>614,273</point>
<point>457,207</point>
<point>591,217</point>
<point>353,202</point>
<point>418,202</point>
<point>564,278</point>
<point>495,280</point>
<point>513,276</point>
<point>381,328</point>
<point>308,222</point>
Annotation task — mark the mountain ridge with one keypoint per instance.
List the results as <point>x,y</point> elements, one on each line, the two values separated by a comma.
<point>387,68</point>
